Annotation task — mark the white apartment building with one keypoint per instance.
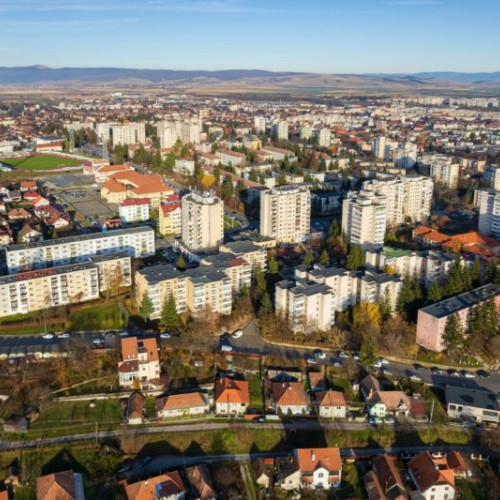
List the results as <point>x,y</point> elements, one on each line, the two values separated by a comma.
<point>134,210</point>
<point>406,197</point>
<point>168,134</point>
<point>492,176</point>
<point>259,124</point>
<point>428,266</point>
<point>488,204</point>
<point>115,270</point>
<point>103,131</point>
<point>405,156</point>
<point>324,137</point>
<point>184,167</point>
<point>285,213</point>
<point>187,131</point>
<point>202,221</point>
<point>309,306</point>
<point>364,218</point>
<point>378,147</point>
<point>281,130</point>
<point>129,133</point>
<point>306,132</point>
<point>135,242</point>
<point>36,290</point>
<point>443,170</point>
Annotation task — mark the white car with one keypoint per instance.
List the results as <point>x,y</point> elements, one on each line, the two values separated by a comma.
<point>123,334</point>
<point>377,364</point>
<point>237,334</point>
<point>343,355</point>
<point>226,348</point>
<point>319,354</point>
<point>48,336</point>
<point>165,335</point>
<point>63,336</point>
<point>384,361</point>
<point>415,378</point>
<point>311,361</point>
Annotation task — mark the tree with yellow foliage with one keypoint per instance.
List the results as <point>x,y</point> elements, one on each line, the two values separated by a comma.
<point>207,180</point>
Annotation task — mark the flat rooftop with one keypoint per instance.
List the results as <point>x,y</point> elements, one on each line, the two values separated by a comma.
<point>477,398</point>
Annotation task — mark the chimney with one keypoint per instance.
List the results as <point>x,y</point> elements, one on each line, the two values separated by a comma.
<point>313,456</point>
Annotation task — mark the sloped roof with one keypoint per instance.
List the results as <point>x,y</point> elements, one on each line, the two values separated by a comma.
<point>58,486</point>
<point>232,391</point>
<point>289,394</point>
<point>309,459</point>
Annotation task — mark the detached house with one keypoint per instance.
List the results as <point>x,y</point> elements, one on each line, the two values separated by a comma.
<point>314,468</point>
<point>380,403</point>
<point>331,404</point>
<point>168,486</point>
<point>178,405</point>
<point>289,398</point>
<point>232,397</point>
<point>434,480</point>
<point>385,481</point>
<point>67,485</point>
<point>140,362</point>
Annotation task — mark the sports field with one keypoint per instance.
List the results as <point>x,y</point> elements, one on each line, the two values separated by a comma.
<point>40,162</point>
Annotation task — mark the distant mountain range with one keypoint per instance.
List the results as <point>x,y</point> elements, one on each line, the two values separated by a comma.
<point>246,80</point>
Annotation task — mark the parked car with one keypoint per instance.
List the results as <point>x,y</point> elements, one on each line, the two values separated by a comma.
<point>343,355</point>
<point>226,348</point>
<point>384,361</point>
<point>436,371</point>
<point>260,419</point>
<point>237,334</point>
<point>467,374</point>
<point>389,420</point>
<point>319,354</point>
<point>165,335</point>
<point>415,378</point>
<point>48,336</point>
<point>374,421</point>
<point>63,336</point>
<point>419,368</point>
<point>336,364</point>
<point>311,360</point>
<point>377,364</point>
<point>355,356</point>
<point>482,374</point>
<point>225,337</point>
<point>123,334</point>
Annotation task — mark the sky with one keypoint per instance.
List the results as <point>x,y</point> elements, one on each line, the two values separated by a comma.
<point>326,36</point>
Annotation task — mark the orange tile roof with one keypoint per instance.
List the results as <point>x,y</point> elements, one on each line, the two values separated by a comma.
<point>309,459</point>
<point>131,346</point>
<point>289,394</point>
<point>114,168</point>
<point>58,486</point>
<point>427,474</point>
<point>331,398</point>
<point>147,490</point>
<point>232,391</point>
<point>178,401</point>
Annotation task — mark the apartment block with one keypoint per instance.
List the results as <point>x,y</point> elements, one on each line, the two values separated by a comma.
<point>432,319</point>
<point>208,289</point>
<point>324,138</point>
<point>254,254</point>
<point>488,205</point>
<point>135,242</point>
<point>308,305</point>
<point>170,216</point>
<point>364,218</point>
<point>228,157</point>
<point>237,269</point>
<point>259,124</point>
<point>427,266</point>
<point>373,286</point>
<point>115,270</point>
<point>37,290</point>
<point>202,221</point>
<point>129,133</point>
<point>285,214</point>
<point>406,197</point>
<point>442,169</point>
<point>134,210</point>
<point>405,155</point>
<point>492,177</point>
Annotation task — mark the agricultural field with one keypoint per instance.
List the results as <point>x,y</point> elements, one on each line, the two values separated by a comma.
<point>40,162</point>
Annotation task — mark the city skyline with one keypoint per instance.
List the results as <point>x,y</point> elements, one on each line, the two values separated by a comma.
<point>387,36</point>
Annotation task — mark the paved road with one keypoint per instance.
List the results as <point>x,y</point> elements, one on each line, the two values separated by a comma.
<point>250,343</point>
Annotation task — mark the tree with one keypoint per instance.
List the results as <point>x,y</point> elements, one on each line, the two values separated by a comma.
<point>273,265</point>
<point>281,179</point>
<point>227,187</point>
<point>366,313</point>
<point>453,333</point>
<point>455,279</point>
<point>385,304</point>
<point>265,304</point>
<point>334,229</point>
<point>146,308</point>
<point>368,351</point>
<point>355,258</point>
<point>475,274</point>
<point>324,258</point>
<point>181,263</point>
<point>156,162</point>
<point>406,295</point>
<point>435,292</point>
<point>308,259</point>
<point>169,316</point>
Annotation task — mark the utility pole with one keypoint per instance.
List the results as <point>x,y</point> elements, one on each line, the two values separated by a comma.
<point>432,410</point>
<point>96,431</point>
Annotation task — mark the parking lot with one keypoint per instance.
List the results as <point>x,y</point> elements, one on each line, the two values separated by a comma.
<point>86,202</point>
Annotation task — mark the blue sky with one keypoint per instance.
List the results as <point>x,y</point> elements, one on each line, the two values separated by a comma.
<point>330,36</point>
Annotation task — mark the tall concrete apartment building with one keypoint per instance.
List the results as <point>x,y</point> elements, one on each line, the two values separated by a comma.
<point>71,284</point>
<point>194,290</point>
<point>134,242</point>
<point>406,197</point>
<point>488,203</point>
<point>285,214</point>
<point>405,155</point>
<point>187,131</point>
<point>259,124</point>
<point>364,218</point>
<point>492,177</point>
<point>307,305</point>
<point>378,147</point>
<point>202,221</point>
<point>129,133</point>
<point>443,170</point>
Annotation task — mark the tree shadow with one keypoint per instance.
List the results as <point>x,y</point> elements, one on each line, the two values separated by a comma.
<point>194,450</point>
<point>158,448</point>
<point>63,460</point>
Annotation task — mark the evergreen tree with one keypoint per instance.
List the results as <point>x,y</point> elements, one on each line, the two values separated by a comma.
<point>227,187</point>
<point>170,162</point>
<point>253,175</point>
<point>181,263</point>
<point>169,317</point>
<point>489,318</point>
<point>491,274</point>
<point>455,280</point>
<point>475,274</point>
<point>259,281</point>
<point>265,304</point>
<point>324,258</point>
<point>385,304</point>
<point>281,179</point>
<point>368,351</point>
<point>355,258</point>
<point>273,265</point>
<point>453,333</point>
<point>406,295</point>
<point>217,173</point>
<point>435,292</point>
<point>334,229</point>
<point>156,162</point>
<point>308,259</point>
<point>146,308</point>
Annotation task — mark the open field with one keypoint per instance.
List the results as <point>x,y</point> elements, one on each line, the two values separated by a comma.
<point>40,162</point>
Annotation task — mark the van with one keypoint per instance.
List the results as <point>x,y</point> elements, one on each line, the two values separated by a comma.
<point>226,348</point>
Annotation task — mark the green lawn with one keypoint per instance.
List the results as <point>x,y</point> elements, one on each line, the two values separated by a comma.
<point>98,317</point>
<point>230,223</point>
<point>256,396</point>
<point>40,162</point>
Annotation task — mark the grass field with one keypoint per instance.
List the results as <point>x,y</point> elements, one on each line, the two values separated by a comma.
<point>40,162</point>
<point>97,317</point>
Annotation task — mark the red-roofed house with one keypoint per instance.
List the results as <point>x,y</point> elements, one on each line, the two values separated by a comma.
<point>231,396</point>
<point>134,210</point>
<point>435,481</point>
<point>67,485</point>
<point>178,405</point>
<point>289,398</point>
<point>168,486</point>
<point>170,215</point>
<point>28,186</point>
<point>331,404</point>
<point>104,172</point>
<point>140,361</point>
